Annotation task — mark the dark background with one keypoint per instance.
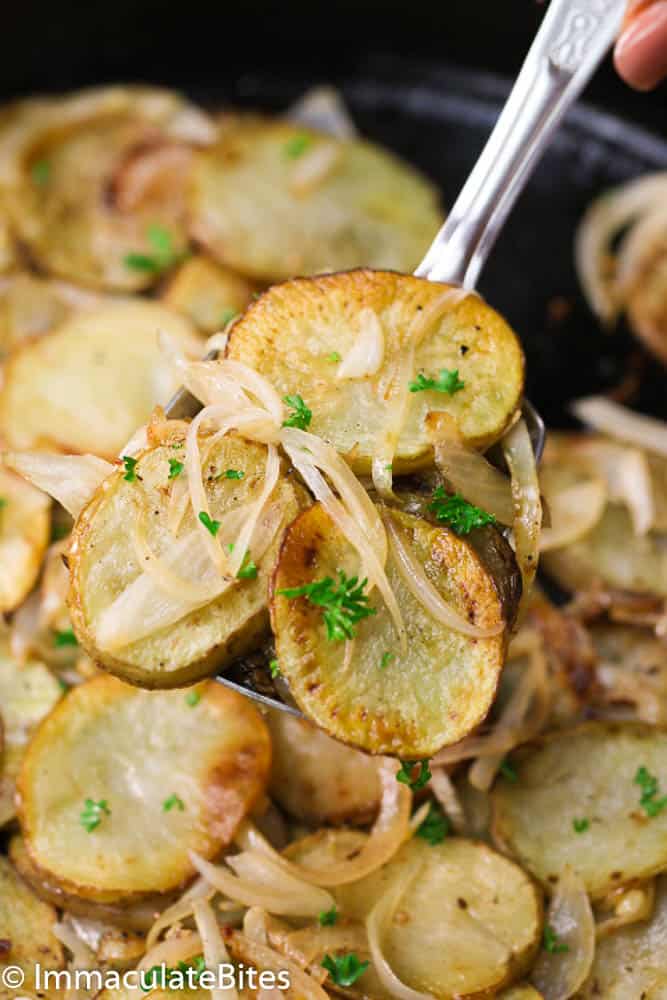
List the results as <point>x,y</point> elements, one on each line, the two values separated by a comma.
<point>193,43</point>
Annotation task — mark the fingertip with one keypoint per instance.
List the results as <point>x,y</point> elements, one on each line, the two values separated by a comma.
<point>640,55</point>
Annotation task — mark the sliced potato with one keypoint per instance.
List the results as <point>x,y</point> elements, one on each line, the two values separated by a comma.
<point>7,250</point>
<point>25,524</point>
<point>632,670</point>
<point>318,780</point>
<point>468,922</point>
<point>209,294</point>
<point>87,386</point>
<point>96,173</point>
<point>585,773</point>
<point>28,692</point>
<point>294,330</point>
<point>523,991</point>
<point>631,962</point>
<point>136,752</point>
<point>26,934</point>
<point>104,563</point>
<point>416,703</point>
<point>273,199</point>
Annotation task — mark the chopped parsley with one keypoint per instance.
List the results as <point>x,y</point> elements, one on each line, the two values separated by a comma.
<point>58,531</point>
<point>248,570</point>
<point>328,917</point>
<point>192,698</point>
<point>334,357</point>
<point>130,465</point>
<point>300,416</point>
<point>227,316</point>
<point>65,638</point>
<point>386,659</point>
<point>3,502</point>
<point>508,772</point>
<point>344,603</point>
<point>93,813</point>
<point>164,255</point>
<point>344,969</point>
<point>175,468</point>
<point>580,825</point>
<point>40,172</point>
<point>648,783</point>
<point>211,526</point>
<point>455,511</point>
<point>551,943</point>
<point>173,802</point>
<point>447,381</point>
<point>231,474</point>
<point>274,668</point>
<point>406,774</point>
<point>435,827</point>
<point>297,146</point>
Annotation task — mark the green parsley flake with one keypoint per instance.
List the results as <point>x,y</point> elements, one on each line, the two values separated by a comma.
<point>274,667</point>
<point>231,474</point>
<point>508,772</point>
<point>447,381</point>
<point>328,917</point>
<point>344,969</point>
<point>65,638</point>
<point>3,502</point>
<point>164,256</point>
<point>175,468</point>
<point>300,416</point>
<point>406,774</point>
<point>248,570</point>
<point>227,316</point>
<point>386,659</point>
<point>580,825</point>
<point>344,603</point>
<point>551,943</point>
<point>173,802</point>
<point>130,465</point>
<point>435,827</point>
<point>455,511</point>
<point>40,172</point>
<point>297,146</point>
<point>59,531</point>
<point>334,357</point>
<point>192,698</point>
<point>650,788</point>
<point>93,813</point>
<point>211,526</point>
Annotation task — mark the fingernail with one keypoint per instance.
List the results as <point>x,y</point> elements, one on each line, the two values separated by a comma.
<point>641,51</point>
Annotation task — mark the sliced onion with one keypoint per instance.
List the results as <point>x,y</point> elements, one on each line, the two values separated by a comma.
<point>170,952</point>
<point>639,246</point>
<point>83,957</point>
<point>446,794</point>
<point>377,924</point>
<point>215,953</point>
<point>275,890</point>
<point>527,522</point>
<point>146,171</point>
<point>619,422</point>
<point>69,479</point>
<point>422,590</point>
<point>626,472</point>
<point>323,109</point>
<point>179,910</point>
<point>242,543</point>
<point>250,952</point>
<point>366,355</point>
<point>390,830</point>
<point>630,905</point>
<point>312,168</point>
<point>574,513</point>
<point>471,475</point>
<point>25,628</point>
<point>558,976</point>
<point>54,586</point>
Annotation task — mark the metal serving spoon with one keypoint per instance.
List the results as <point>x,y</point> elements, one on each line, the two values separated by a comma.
<point>574,37</point>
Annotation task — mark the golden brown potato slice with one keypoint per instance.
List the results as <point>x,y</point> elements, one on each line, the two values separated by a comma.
<point>318,780</point>
<point>99,184</point>
<point>209,294</point>
<point>631,670</point>
<point>273,199</point>
<point>630,962</point>
<point>382,700</point>
<point>114,770</point>
<point>25,524</point>
<point>87,386</point>
<point>600,775</point>
<point>124,618</point>
<point>468,921</point>
<point>523,991</point>
<point>26,936</point>
<point>299,335</point>
<point>28,692</point>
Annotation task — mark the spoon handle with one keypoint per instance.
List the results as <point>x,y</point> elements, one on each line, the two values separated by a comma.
<point>574,37</point>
